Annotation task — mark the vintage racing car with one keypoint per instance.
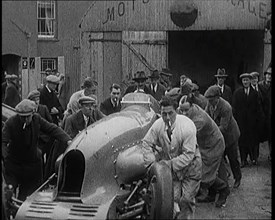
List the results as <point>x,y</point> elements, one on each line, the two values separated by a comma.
<point>106,174</point>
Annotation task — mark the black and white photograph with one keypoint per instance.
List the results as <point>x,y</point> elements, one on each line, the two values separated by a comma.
<point>136,109</point>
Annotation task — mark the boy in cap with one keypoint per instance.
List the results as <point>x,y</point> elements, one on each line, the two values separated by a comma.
<point>20,153</point>
<point>221,112</point>
<point>49,98</point>
<point>247,113</point>
<point>12,97</point>
<point>88,88</point>
<point>86,115</point>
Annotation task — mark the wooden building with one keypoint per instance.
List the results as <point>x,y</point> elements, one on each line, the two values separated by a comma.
<point>37,35</point>
<point>192,37</point>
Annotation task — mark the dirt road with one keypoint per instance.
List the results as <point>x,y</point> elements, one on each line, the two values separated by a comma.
<point>252,200</point>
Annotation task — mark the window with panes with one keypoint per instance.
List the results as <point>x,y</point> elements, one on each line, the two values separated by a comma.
<point>46,17</point>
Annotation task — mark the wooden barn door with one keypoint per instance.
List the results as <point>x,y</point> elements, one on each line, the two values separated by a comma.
<point>143,51</point>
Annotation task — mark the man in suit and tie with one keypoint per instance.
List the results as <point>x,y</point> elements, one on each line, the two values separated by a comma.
<point>49,98</point>
<point>221,112</point>
<point>226,92</point>
<point>156,89</point>
<point>247,113</point>
<point>112,104</point>
<point>87,115</point>
<point>140,83</point>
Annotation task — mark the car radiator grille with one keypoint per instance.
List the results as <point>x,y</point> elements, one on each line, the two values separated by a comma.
<point>45,210</point>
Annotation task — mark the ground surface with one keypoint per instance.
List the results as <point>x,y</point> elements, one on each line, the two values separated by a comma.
<point>252,200</point>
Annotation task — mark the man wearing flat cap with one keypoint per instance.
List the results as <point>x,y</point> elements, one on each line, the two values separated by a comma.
<point>140,83</point>
<point>265,86</point>
<point>226,92</point>
<point>49,98</point>
<point>221,112</point>
<point>88,88</point>
<point>247,113</point>
<point>156,89</point>
<point>20,153</point>
<point>44,142</point>
<point>85,116</point>
<point>12,97</point>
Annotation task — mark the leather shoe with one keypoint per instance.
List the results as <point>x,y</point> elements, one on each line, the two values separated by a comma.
<point>222,197</point>
<point>237,183</point>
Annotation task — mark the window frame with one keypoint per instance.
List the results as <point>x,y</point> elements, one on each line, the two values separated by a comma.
<point>55,63</point>
<point>44,4</point>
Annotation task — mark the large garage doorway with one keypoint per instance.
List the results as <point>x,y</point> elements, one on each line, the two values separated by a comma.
<point>199,54</point>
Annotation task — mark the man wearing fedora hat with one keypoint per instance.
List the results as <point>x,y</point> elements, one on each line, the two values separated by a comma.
<point>140,83</point>
<point>49,98</point>
<point>226,92</point>
<point>12,97</point>
<point>21,156</point>
<point>156,89</point>
<point>247,113</point>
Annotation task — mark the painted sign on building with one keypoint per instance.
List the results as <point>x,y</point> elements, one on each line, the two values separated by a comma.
<point>157,15</point>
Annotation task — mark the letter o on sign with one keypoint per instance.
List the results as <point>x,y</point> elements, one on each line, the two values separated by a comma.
<point>121,9</point>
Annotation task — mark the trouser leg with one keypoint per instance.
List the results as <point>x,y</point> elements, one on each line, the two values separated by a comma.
<point>232,154</point>
<point>222,172</point>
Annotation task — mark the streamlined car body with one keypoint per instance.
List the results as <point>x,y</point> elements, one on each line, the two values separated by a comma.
<point>105,173</point>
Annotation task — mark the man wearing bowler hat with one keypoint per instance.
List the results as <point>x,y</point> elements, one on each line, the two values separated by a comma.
<point>221,112</point>
<point>86,115</point>
<point>49,98</point>
<point>156,89</point>
<point>226,92</point>
<point>247,113</point>
<point>20,153</point>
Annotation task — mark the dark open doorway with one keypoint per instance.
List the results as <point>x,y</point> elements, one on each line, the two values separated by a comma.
<point>199,54</point>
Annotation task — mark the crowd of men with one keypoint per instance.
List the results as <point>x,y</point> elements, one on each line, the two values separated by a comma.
<point>197,132</point>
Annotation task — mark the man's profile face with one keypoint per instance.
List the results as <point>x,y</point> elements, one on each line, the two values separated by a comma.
<point>115,94</point>
<point>168,114</point>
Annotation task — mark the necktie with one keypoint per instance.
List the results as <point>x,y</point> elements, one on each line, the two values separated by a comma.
<point>169,132</point>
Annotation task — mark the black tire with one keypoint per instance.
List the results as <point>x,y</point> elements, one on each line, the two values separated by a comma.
<point>161,192</point>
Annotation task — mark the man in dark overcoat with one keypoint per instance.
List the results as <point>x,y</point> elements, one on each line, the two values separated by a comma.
<point>45,142</point>
<point>87,115</point>
<point>156,89</point>
<point>226,92</point>
<point>265,88</point>
<point>20,153</point>
<point>113,103</point>
<point>246,110</point>
<point>12,97</point>
<point>221,112</point>
<point>49,98</point>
